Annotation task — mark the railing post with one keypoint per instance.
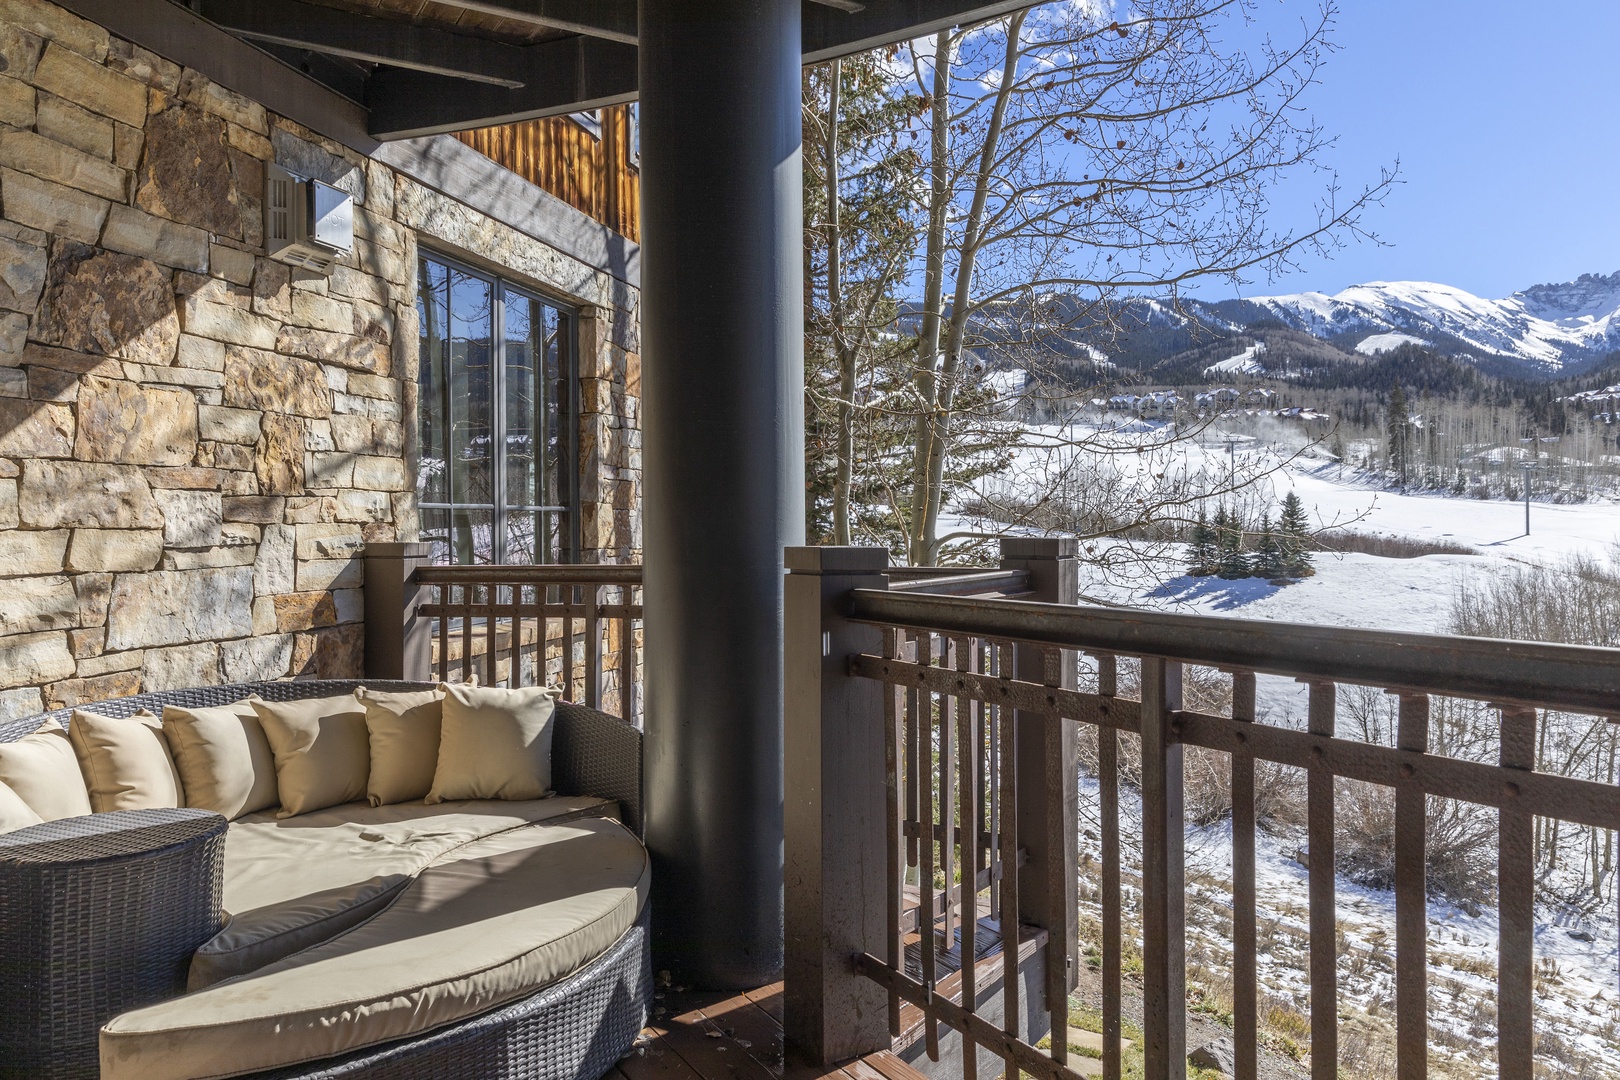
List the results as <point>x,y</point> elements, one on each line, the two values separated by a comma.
<point>836,852</point>
<point>1053,843</point>
<point>1164,952</point>
<point>398,644</point>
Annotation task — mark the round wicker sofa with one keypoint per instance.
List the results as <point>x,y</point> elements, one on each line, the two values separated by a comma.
<point>575,1029</point>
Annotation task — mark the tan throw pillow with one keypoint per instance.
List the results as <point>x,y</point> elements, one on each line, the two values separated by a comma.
<point>322,751</point>
<point>44,772</point>
<point>403,730</point>
<point>14,813</point>
<point>126,762</point>
<point>224,761</point>
<point>494,744</point>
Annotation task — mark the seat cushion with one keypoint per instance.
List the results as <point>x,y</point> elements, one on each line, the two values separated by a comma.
<point>322,753</point>
<point>126,762</point>
<point>224,760</point>
<point>495,743</point>
<point>404,732</point>
<point>295,882</point>
<point>495,920</point>
<point>44,772</point>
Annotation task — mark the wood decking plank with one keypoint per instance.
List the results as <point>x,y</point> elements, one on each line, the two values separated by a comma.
<point>891,1067</point>
<point>704,1045</point>
<point>753,1031</point>
<point>768,998</point>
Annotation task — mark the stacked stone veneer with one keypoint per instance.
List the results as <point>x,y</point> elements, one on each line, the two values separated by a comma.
<point>195,443</point>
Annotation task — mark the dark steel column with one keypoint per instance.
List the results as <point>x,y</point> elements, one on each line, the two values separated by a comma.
<point>723,467</point>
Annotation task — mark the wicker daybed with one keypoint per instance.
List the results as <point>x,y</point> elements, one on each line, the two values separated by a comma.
<point>103,914</point>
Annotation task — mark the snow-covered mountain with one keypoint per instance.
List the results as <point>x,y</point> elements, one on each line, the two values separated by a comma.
<point>1551,326</point>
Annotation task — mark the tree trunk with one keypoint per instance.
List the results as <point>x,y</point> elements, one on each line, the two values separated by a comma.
<point>835,311</point>
<point>933,296</point>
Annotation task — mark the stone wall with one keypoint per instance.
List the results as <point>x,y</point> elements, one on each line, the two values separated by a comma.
<point>195,442</point>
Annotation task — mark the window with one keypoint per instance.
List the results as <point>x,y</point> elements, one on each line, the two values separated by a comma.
<point>495,480</point>
<point>590,120</point>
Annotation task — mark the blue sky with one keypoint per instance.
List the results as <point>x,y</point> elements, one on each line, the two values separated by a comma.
<point>1506,119</point>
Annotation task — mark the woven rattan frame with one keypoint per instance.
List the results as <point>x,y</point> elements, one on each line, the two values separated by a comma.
<point>98,915</point>
<point>573,1030</point>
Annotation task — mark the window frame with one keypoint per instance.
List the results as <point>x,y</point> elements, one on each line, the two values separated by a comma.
<point>568,400</point>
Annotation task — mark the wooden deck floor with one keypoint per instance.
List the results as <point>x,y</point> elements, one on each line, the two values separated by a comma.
<point>696,1036</point>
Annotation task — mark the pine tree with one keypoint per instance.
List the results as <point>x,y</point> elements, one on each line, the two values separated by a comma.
<point>1292,525</point>
<point>1204,548</point>
<point>1268,561</point>
<point>1233,561</point>
<point>1396,424</point>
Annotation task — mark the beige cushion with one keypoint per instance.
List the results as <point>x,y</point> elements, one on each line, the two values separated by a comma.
<point>294,882</point>
<point>495,921</point>
<point>224,762</point>
<point>403,730</point>
<point>495,743</point>
<point>14,813</point>
<point>44,772</point>
<point>322,756</point>
<point>126,762</point>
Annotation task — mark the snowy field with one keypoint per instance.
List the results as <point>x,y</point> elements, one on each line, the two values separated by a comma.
<point>1578,954</point>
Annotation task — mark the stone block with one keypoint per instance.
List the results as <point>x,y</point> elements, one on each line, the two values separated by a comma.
<point>30,552</point>
<point>318,436</point>
<point>16,704</point>
<point>62,121</point>
<point>256,659</point>
<point>272,383</point>
<point>106,663</point>
<point>127,144</point>
<point>35,355</point>
<point>13,336</point>
<point>272,288</point>
<point>8,504</point>
<point>322,313</point>
<point>364,506</point>
<point>373,386</point>
<point>254,509</point>
<point>22,275</point>
<point>331,470</point>
<point>135,232</point>
<point>138,425</point>
<point>183,143</point>
<point>346,281</point>
<point>31,659</point>
<point>143,66</point>
<point>226,104</point>
<point>13,382</point>
<point>35,429</point>
<point>380,473</point>
<point>198,379</point>
<point>93,85</point>
<point>19,52</point>
<point>187,478</point>
<point>83,494</point>
<point>169,607</point>
<point>232,325</point>
<point>378,409</point>
<point>191,519</point>
<point>178,668</point>
<point>34,154</point>
<point>114,550</point>
<point>54,23</point>
<point>72,692</point>
<point>305,611</point>
<point>317,575</point>
<point>84,644</point>
<point>52,208</point>
<point>273,569</point>
<point>226,456</point>
<point>200,353</point>
<point>264,616</point>
<point>311,508</point>
<point>364,435</point>
<point>231,264</point>
<point>16,101</point>
<point>343,349</point>
<point>34,604</point>
<point>239,483</point>
<point>278,462</point>
<point>321,541</point>
<point>105,303</point>
<point>95,593</point>
<point>350,605</point>
<point>207,558</point>
<point>340,652</point>
<point>250,143</point>
<point>51,384</point>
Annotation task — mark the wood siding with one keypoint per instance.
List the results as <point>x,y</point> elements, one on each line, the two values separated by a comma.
<point>593,175</point>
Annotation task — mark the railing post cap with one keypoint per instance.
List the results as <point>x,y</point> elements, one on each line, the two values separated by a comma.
<point>837,560</point>
<point>397,550</point>
<point>1039,547</point>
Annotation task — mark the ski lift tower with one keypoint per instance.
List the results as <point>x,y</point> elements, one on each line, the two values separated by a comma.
<point>1529,466</point>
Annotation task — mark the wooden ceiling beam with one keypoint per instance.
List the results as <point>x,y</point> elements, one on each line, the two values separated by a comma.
<point>332,32</point>
<point>830,33</point>
<point>613,20</point>
<point>559,77</point>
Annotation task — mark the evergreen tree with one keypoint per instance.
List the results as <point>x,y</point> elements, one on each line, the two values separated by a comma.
<point>1292,525</point>
<point>1204,548</point>
<point>1268,562</point>
<point>1233,561</point>
<point>1396,424</point>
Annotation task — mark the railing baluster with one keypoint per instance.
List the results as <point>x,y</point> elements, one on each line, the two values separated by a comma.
<point>971,746</point>
<point>1411,901</point>
<point>1245,975</point>
<point>442,595</point>
<point>947,798</point>
<point>1515,888</point>
<point>1007,800</point>
<point>928,832</point>
<point>1164,995</point>
<point>466,633</point>
<point>894,763</point>
<point>593,647</point>
<point>914,771</point>
<point>1108,809</point>
<point>1324,943</point>
<point>492,629</point>
<point>993,718</point>
<point>1058,838</point>
<point>568,643</point>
